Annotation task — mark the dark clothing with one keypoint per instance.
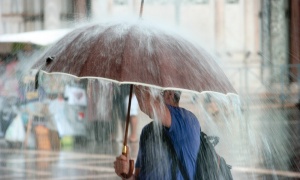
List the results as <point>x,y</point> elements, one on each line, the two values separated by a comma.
<point>153,158</point>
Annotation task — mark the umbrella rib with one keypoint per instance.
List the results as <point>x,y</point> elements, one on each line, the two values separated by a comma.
<point>41,65</point>
<point>82,70</point>
<point>123,53</point>
<point>159,49</point>
<point>77,36</point>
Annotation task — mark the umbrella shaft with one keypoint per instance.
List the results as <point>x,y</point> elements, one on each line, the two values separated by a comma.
<point>128,116</point>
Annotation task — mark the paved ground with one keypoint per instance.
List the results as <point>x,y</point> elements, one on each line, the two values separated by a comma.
<point>266,147</point>
<point>20,164</point>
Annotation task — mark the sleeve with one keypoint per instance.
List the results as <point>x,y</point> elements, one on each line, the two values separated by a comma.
<point>138,163</point>
<point>174,121</point>
<point>178,127</point>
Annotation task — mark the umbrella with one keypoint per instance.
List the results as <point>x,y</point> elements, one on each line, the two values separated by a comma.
<point>135,52</point>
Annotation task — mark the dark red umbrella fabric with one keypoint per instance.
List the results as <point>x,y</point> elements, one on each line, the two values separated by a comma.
<point>135,52</point>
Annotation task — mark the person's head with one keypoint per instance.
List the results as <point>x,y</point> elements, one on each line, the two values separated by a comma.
<point>171,97</point>
<point>144,100</point>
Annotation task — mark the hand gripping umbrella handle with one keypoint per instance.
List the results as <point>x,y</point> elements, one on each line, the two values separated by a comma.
<point>131,165</point>
<point>130,172</point>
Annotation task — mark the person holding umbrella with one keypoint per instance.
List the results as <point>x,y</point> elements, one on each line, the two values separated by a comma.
<point>138,52</point>
<point>181,125</point>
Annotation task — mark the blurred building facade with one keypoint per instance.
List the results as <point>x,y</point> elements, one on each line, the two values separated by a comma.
<point>255,33</point>
<point>224,25</point>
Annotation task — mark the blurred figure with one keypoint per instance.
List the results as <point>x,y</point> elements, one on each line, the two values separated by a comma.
<point>134,110</point>
<point>76,98</point>
<point>119,96</point>
<point>99,96</point>
<point>7,113</point>
<point>57,108</point>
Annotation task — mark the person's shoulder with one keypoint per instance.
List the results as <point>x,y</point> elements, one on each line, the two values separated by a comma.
<point>187,111</point>
<point>148,126</point>
<point>146,131</point>
<point>181,110</point>
<point>173,108</point>
<point>190,114</point>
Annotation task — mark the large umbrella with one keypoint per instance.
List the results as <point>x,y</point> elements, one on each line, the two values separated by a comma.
<point>135,52</point>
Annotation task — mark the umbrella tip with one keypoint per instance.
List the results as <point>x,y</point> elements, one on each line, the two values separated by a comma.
<point>49,60</point>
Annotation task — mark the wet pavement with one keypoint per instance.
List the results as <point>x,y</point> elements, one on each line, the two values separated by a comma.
<point>26,164</point>
<point>269,150</point>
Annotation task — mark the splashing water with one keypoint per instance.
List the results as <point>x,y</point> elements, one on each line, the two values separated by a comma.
<point>258,144</point>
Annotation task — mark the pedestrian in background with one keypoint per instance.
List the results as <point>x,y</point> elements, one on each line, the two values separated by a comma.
<point>134,110</point>
<point>120,92</point>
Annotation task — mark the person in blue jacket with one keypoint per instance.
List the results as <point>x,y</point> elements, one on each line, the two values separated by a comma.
<point>182,127</point>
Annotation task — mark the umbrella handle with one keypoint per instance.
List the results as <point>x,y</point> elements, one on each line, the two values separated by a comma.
<point>124,150</point>
<point>130,172</point>
<point>131,164</point>
<point>127,121</point>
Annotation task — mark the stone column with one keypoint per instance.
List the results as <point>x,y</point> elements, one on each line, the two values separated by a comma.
<point>177,4</point>
<point>98,9</point>
<point>266,63</point>
<point>110,6</point>
<point>279,40</point>
<point>274,42</point>
<point>295,44</point>
<point>52,14</point>
<point>219,26</point>
<point>249,26</point>
<point>135,6</point>
<point>80,10</point>
<point>295,37</point>
<point>257,26</point>
<point>1,28</point>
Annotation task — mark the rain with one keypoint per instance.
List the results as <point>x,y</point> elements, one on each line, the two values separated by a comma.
<point>64,100</point>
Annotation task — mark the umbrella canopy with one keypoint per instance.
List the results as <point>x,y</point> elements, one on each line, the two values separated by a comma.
<point>136,53</point>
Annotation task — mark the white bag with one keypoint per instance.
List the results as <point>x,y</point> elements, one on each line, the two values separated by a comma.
<point>16,131</point>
